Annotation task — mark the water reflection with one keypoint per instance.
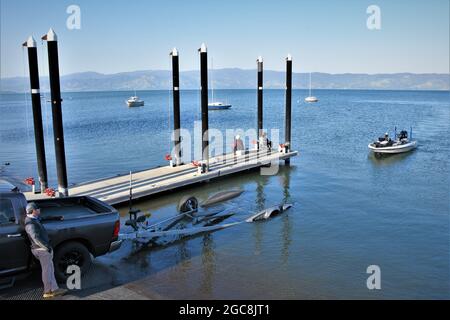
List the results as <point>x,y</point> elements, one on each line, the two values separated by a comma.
<point>388,159</point>
<point>208,263</point>
<point>285,178</point>
<point>260,205</point>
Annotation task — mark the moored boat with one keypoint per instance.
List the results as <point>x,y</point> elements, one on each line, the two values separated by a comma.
<point>134,101</point>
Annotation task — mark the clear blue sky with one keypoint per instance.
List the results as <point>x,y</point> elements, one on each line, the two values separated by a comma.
<point>322,35</point>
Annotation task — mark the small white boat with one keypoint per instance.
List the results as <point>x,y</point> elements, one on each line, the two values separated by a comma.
<point>218,106</point>
<point>310,98</point>
<point>134,101</point>
<point>400,145</point>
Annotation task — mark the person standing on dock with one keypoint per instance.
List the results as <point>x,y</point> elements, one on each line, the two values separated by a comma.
<point>264,142</point>
<point>41,249</point>
<point>238,144</point>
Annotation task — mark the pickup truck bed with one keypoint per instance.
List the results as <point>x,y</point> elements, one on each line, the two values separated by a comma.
<point>71,208</point>
<point>78,228</point>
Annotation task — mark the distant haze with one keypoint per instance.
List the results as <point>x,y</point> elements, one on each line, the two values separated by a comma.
<point>233,79</point>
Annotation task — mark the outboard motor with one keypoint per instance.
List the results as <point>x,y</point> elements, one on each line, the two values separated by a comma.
<point>403,135</point>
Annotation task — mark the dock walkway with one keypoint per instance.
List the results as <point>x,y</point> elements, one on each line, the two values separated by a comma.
<point>115,190</point>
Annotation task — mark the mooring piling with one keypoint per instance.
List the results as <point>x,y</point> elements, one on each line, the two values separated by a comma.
<point>204,103</point>
<point>58,131</point>
<point>288,111</point>
<point>259,63</point>
<point>37,112</point>
<point>176,105</point>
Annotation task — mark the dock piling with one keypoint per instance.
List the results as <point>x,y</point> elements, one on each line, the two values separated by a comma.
<point>37,113</point>
<point>288,110</point>
<point>259,62</point>
<point>204,104</point>
<point>176,105</point>
<point>58,131</point>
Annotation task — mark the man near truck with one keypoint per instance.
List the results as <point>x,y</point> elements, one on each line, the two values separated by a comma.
<point>42,250</point>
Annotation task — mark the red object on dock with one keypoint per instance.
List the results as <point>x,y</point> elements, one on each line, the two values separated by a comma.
<point>168,157</point>
<point>196,164</point>
<point>29,181</point>
<point>50,192</point>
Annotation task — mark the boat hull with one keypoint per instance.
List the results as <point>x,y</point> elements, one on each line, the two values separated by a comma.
<point>219,107</point>
<point>311,99</point>
<point>135,104</point>
<point>394,149</point>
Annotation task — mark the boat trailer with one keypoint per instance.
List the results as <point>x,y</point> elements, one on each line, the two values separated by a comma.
<point>190,221</point>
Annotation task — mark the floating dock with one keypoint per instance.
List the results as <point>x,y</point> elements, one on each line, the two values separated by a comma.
<point>116,189</point>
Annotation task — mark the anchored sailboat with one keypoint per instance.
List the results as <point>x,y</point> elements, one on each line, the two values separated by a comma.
<point>216,105</point>
<point>134,101</point>
<point>310,98</point>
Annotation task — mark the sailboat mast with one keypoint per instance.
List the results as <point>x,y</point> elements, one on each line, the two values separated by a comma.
<point>310,84</point>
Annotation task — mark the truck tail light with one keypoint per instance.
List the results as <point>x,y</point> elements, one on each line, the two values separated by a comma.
<point>116,229</point>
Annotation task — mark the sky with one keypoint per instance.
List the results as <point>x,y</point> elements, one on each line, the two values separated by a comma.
<point>321,35</point>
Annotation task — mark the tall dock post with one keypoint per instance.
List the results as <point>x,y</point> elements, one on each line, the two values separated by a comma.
<point>288,111</point>
<point>204,103</point>
<point>58,132</point>
<point>37,112</point>
<point>176,105</point>
<point>259,62</point>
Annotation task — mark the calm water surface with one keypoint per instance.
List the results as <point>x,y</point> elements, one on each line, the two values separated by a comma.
<point>351,210</point>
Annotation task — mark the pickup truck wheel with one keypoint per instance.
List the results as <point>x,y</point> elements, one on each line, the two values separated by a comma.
<point>71,253</point>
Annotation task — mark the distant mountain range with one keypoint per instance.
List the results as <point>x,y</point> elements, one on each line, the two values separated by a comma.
<point>233,78</point>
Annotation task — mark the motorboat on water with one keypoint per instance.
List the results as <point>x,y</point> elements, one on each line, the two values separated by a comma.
<point>401,143</point>
<point>134,101</point>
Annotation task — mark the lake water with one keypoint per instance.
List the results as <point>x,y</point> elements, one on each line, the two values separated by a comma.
<point>351,210</point>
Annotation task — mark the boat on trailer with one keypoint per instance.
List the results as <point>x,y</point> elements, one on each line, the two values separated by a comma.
<point>401,144</point>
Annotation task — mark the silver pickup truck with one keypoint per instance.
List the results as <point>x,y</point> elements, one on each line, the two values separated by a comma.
<point>79,228</point>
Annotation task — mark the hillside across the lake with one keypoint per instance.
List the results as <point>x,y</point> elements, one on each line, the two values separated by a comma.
<point>234,78</point>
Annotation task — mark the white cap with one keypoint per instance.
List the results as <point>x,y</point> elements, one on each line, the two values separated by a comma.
<point>203,48</point>
<point>50,36</point>
<point>260,59</point>
<point>238,137</point>
<point>30,43</point>
<point>289,57</point>
<point>174,52</point>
